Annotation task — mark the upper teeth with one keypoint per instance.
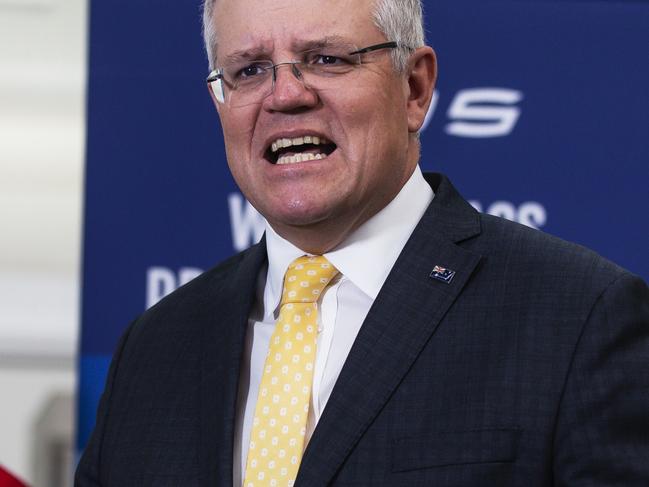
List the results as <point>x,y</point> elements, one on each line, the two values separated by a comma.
<point>307,139</point>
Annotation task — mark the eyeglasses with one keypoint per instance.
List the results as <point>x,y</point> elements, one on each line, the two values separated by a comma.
<point>248,82</point>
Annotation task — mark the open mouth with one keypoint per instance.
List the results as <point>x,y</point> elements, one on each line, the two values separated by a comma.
<point>299,149</point>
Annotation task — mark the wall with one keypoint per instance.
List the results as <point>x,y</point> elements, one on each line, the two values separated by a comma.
<point>42,134</point>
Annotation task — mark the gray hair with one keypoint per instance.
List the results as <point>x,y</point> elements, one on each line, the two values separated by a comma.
<point>400,21</point>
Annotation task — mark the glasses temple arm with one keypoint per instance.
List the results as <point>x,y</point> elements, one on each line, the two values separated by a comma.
<point>385,45</point>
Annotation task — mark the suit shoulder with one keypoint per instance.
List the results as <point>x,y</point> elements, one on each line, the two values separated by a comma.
<point>204,286</point>
<point>184,311</point>
<point>536,254</point>
<point>544,283</point>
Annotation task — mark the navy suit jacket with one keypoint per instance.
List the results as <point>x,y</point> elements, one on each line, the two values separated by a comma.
<point>529,368</point>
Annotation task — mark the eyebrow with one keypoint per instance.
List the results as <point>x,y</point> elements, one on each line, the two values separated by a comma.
<point>301,46</point>
<point>245,55</point>
<point>260,52</point>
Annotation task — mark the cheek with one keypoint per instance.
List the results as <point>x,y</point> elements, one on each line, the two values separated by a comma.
<point>374,115</point>
<point>378,137</point>
<point>233,135</point>
<point>237,131</point>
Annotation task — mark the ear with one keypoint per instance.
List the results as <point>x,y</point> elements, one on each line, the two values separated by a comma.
<point>422,74</point>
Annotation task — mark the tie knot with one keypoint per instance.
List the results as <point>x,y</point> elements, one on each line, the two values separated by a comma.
<point>305,279</point>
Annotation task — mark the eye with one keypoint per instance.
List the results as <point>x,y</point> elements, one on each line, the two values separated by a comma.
<point>330,63</point>
<point>250,71</point>
<point>327,59</point>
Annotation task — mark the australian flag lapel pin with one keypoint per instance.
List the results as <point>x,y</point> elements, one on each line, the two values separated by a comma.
<point>442,274</point>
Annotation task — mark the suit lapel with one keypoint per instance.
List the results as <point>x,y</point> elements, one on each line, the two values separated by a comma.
<point>404,316</point>
<point>226,320</point>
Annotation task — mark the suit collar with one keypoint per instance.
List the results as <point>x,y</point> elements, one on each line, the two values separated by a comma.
<point>450,216</point>
<point>226,319</point>
<point>404,317</point>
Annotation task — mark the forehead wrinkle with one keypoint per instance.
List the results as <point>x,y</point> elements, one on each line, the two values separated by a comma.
<point>258,51</point>
<point>305,45</point>
<point>299,45</point>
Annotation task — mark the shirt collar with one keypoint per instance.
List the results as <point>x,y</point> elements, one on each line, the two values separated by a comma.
<point>368,254</point>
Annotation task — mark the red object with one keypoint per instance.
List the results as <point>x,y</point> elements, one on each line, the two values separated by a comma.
<point>8,480</point>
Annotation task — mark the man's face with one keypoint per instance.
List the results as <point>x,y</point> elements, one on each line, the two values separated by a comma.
<point>367,159</point>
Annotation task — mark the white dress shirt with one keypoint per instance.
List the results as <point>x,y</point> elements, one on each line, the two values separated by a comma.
<point>364,260</point>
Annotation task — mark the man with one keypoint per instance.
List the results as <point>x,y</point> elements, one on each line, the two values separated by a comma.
<point>383,333</point>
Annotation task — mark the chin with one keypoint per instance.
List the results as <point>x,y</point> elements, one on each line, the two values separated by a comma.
<point>299,215</point>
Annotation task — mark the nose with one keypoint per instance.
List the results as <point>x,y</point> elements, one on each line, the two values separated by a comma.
<point>290,91</point>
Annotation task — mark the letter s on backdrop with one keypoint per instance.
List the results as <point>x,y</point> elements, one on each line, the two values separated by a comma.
<point>486,120</point>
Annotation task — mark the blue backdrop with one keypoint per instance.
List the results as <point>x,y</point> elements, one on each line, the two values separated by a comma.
<point>541,115</point>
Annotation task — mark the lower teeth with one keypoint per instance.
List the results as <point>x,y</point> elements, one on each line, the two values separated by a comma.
<point>300,158</point>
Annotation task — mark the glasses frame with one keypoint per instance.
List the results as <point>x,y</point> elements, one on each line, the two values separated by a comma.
<point>217,74</point>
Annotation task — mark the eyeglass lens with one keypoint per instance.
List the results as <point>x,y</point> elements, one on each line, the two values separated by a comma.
<point>248,83</point>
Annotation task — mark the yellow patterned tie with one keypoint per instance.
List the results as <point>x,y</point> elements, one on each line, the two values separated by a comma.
<point>279,426</point>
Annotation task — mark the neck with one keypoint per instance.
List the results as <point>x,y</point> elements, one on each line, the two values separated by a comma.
<point>316,238</point>
<point>325,235</point>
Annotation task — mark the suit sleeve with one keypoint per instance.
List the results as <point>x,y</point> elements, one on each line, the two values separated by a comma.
<point>88,470</point>
<point>602,429</point>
